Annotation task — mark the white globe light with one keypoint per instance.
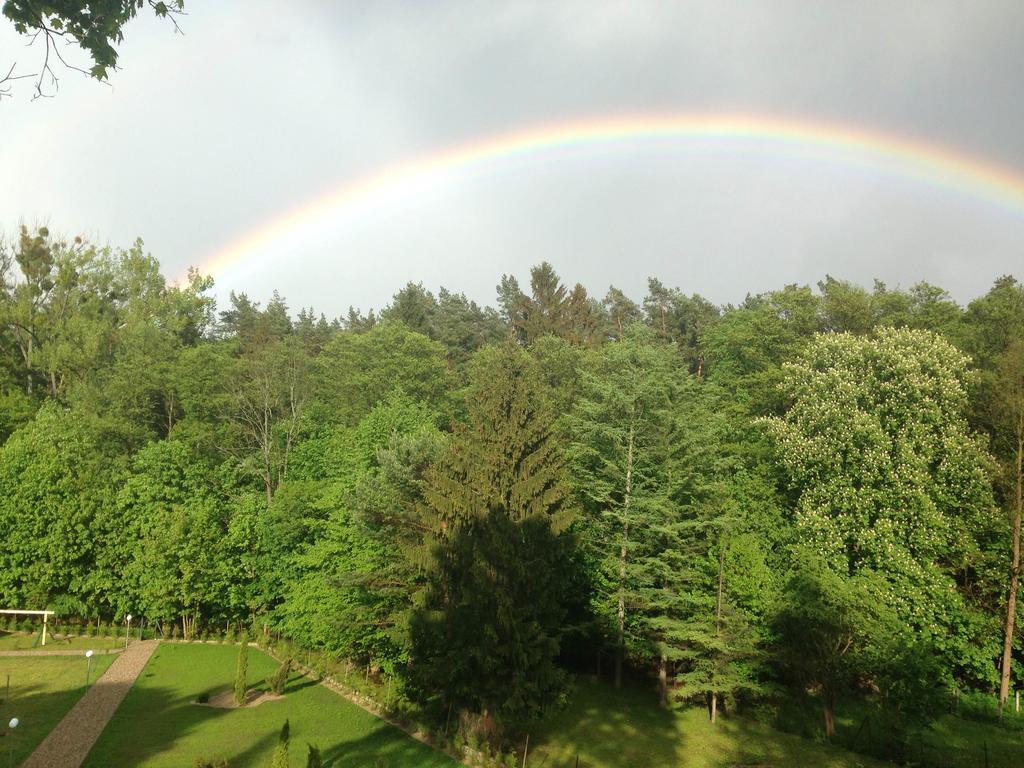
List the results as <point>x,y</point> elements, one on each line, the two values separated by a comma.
<point>14,723</point>
<point>88,654</point>
<point>129,617</point>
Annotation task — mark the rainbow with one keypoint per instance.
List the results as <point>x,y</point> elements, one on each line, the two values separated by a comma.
<point>903,156</point>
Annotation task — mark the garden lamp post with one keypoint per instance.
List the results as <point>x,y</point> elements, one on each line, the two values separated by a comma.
<point>88,667</point>
<point>10,734</point>
<point>127,629</point>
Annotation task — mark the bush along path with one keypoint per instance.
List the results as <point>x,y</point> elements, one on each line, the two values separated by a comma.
<point>69,743</point>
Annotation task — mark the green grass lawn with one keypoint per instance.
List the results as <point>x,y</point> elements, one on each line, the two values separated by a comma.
<point>159,725</point>
<point>42,690</point>
<point>26,641</point>
<point>953,741</point>
<point>609,728</point>
<point>950,741</point>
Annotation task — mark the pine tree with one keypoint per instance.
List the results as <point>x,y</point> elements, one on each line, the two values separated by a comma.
<point>507,458</point>
<point>550,309</point>
<point>712,645</point>
<point>647,459</point>
<point>489,633</point>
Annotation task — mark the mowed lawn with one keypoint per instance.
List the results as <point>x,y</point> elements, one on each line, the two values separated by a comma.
<point>43,689</point>
<point>159,725</point>
<point>27,641</point>
<point>613,729</point>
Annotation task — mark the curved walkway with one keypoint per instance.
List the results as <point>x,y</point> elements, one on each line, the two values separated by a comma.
<point>69,743</point>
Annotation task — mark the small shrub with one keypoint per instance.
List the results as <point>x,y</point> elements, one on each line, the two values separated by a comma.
<point>203,698</point>
<point>206,762</point>
<point>280,758</point>
<point>279,679</point>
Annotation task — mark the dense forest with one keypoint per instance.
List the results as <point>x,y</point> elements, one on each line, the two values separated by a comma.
<point>816,491</point>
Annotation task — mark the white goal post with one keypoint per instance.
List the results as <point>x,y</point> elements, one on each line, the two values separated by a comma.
<point>45,614</point>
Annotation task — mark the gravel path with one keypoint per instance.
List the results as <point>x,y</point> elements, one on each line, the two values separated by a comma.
<point>69,743</point>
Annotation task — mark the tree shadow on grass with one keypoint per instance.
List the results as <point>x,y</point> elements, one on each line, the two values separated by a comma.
<point>155,725</point>
<point>149,722</point>
<point>39,711</point>
<point>382,748</point>
<point>604,726</point>
<point>297,682</point>
<point>748,743</point>
<point>249,756</point>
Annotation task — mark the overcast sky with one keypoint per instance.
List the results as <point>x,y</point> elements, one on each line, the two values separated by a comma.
<point>261,105</point>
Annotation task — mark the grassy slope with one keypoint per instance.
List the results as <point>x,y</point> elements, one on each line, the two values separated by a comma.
<point>950,741</point>
<point>159,725</point>
<point>43,689</point>
<point>954,741</point>
<point>627,728</point>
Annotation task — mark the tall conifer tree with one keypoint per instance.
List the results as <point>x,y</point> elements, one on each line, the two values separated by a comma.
<point>648,464</point>
<point>489,633</point>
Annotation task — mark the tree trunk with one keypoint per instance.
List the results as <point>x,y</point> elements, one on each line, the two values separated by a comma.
<point>1011,600</point>
<point>268,484</point>
<point>830,724</point>
<point>721,585</point>
<point>827,707</point>
<point>663,681</point>
<point>714,707</point>
<point>28,368</point>
<point>620,651</point>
